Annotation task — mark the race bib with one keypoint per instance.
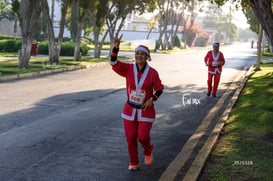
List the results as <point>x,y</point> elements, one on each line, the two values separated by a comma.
<point>137,98</point>
<point>214,64</point>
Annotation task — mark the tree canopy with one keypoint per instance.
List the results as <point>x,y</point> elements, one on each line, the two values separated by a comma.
<point>95,15</point>
<point>262,10</point>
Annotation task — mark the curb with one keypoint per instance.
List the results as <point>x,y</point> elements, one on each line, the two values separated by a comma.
<point>48,72</point>
<point>199,162</point>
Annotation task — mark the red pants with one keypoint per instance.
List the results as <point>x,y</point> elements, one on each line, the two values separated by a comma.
<point>215,82</point>
<point>138,131</point>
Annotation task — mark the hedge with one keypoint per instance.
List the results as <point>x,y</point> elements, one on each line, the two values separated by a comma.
<point>12,45</point>
<point>66,50</point>
<point>4,37</point>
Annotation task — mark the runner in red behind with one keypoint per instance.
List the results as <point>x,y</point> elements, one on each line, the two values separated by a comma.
<point>214,59</point>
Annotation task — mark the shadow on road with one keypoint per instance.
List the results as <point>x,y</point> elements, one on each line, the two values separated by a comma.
<point>84,136</point>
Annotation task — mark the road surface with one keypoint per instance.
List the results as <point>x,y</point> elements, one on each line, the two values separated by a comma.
<point>67,126</point>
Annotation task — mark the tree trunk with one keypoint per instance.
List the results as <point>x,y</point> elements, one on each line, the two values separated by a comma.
<point>164,23</point>
<point>148,35</point>
<point>54,48</point>
<point>15,28</point>
<point>263,11</point>
<point>74,19</point>
<point>24,53</point>
<point>270,47</point>
<point>28,16</point>
<point>80,20</point>
<point>259,48</point>
<point>53,58</point>
<point>52,9</point>
<point>77,50</point>
<point>185,32</point>
<point>111,30</point>
<point>62,24</point>
<point>52,54</point>
<point>97,50</point>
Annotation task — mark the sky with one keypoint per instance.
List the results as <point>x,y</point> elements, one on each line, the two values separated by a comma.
<point>239,18</point>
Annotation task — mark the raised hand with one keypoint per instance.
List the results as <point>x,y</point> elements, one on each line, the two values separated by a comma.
<point>117,41</point>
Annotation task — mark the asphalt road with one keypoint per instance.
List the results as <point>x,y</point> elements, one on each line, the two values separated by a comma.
<point>67,126</point>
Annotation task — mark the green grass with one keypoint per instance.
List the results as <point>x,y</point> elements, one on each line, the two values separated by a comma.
<point>8,54</point>
<point>10,67</point>
<point>245,150</point>
<point>267,54</point>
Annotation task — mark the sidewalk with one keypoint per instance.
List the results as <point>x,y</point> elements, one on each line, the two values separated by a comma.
<point>7,58</point>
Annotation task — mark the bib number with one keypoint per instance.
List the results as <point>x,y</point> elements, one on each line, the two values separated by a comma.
<point>214,64</point>
<point>137,98</point>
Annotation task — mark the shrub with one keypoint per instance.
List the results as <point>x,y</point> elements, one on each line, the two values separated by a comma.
<point>18,44</point>
<point>66,50</point>
<point>2,45</point>
<point>201,42</point>
<point>177,42</point>
<point>5,37</point>
<point>10,45</point>
<point>43,48</point>
<point>84,49</point>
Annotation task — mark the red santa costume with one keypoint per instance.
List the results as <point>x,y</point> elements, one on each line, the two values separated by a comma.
<point>140,85</point>
<point>214,59</point>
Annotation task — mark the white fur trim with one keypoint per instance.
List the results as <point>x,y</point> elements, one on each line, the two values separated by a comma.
<point>113,63</point>
<point>142,49</point>
<point>130,118</point>
<point>144,119</point>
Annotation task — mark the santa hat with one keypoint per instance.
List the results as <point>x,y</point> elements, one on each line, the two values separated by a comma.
<point>145,50</point>
<point>216,44</point>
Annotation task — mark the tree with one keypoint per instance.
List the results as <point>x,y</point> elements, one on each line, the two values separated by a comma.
<point>41,27</point>
<point>251,20</point>
<point>27,12</point>
<point>225,26</point>
<point>263,12</point>
<point>98,18</point>
<point>79,14</point>
<point>114,13</point>
<point>259,48</point>
<point>54,48</point>
<point>151,26</point>
<point>189,34</point>
<point>74,12</point>
<point>174,14</point>
<point>6,12</point>
<point>171,15</point>
<point>120,9</point>
<point>82,9</point>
